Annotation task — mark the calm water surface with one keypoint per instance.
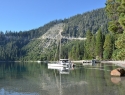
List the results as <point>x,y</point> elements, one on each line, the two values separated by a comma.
<point>37,79</point>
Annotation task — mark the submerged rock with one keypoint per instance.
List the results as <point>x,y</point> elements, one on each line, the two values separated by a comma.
<point>118,72</point>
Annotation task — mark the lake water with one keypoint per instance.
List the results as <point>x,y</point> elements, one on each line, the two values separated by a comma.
<point>37,79</point>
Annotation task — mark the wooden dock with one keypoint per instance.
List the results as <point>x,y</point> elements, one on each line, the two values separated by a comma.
<point>87,61</point>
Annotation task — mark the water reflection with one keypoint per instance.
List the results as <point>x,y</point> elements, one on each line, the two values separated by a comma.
<point>20,78</point>
<point>118,80</point>
<point>37,79</point>
<point>4,92</point>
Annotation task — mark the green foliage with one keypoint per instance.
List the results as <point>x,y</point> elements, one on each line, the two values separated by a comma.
<point>93,46</point>
<point>112,10</point>
<point>114,27</point>
<point>120,45</point>
<point>99,44</point>
<point>118,26</point>
<point>75,50</point>
<point>108,47</point>
<point>88,44</point>
<point>77,26</point>
<point>122,20</point>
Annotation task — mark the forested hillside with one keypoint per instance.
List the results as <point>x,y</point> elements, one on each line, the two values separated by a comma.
<point>78,25</point>
<point>42,43</point>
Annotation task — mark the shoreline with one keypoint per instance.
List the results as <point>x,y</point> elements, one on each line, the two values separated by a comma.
<point>115,62</point>
<point>77,61</point>
<point>118,63</point>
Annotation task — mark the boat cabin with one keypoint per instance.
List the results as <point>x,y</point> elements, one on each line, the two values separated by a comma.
<point>65,61</point>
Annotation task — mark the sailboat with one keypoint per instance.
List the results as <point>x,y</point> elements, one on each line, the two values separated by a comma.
<point>61,62</point>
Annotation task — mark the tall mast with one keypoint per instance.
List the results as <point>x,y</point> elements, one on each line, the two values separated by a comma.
<point>60,44</point>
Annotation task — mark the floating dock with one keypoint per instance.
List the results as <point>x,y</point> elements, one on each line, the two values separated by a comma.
<point>87,61</point>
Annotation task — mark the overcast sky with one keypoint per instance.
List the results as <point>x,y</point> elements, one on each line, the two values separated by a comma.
<point>21,15</point>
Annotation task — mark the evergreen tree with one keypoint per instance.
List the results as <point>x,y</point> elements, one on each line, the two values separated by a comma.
<point>99,44</point>
<point>108,47</point>
<point>120,44</point>
<point>88,44</point>
<point>112,10</point>
<point>92,46</point>
<point>118,25</point>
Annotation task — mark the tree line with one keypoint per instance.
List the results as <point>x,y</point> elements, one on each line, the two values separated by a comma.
<point>96,46</point>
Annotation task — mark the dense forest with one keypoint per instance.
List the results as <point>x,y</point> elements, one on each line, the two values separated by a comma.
<point>115,10</point>
<point>102,38</point>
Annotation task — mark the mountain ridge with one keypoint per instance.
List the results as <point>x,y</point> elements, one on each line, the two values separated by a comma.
<point>37,43</point>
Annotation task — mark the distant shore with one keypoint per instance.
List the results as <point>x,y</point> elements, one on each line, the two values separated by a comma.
<point>115,62</point>
<point>118,63</point>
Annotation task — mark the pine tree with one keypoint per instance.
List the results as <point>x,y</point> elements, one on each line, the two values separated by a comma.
<point>99,44</point>
<point>112,9</point>
<point>108,47</point>
<point>92,46</point>
<point>120,44</point>
<point>88,44</point>
<point>118,25</point>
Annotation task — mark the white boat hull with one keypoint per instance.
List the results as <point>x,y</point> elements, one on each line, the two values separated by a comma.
<point>56,65</point>
<point>60,64</point>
